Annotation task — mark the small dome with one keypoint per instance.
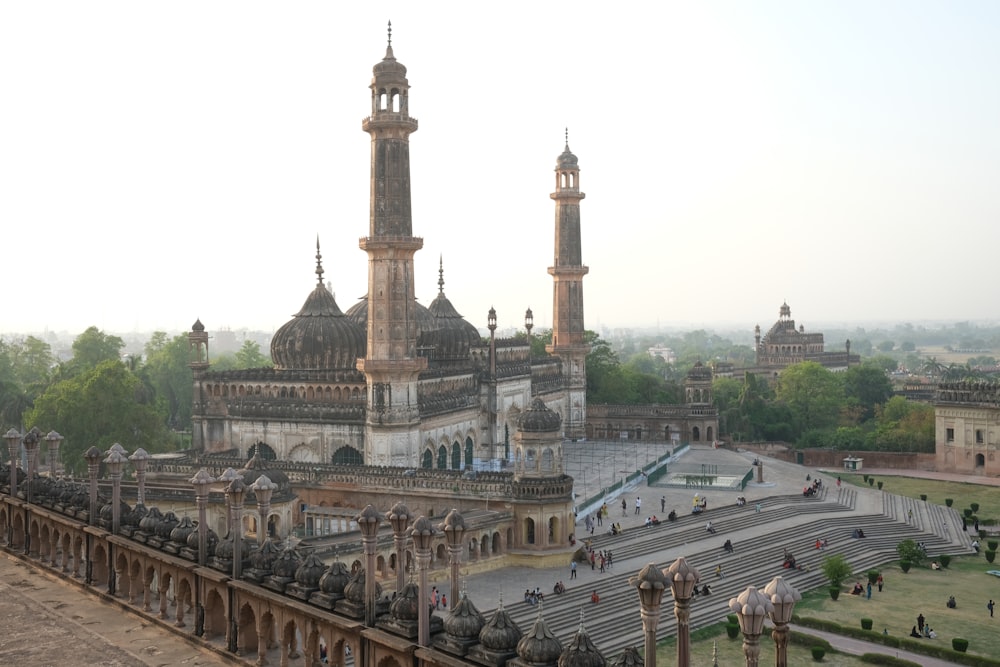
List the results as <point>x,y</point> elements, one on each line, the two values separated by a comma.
<point>319,336</point>
<point>581,652</point>
<point>566,159</point>
<point>184,528</point>
<point>406,605</point>
<point>699,372</point>
<point>464,621</point>
<point>355,588</point>
<point>263,558</point>
<point>287,564</point>
<point>539,646</point>
<point>197,326</point>
<point>501,632</point>
<point>149,522</point>
<point>211,540</point>
<point>309,573</point>
<point>538,418</point>
<point>335,579</point>
<point>166,525</point>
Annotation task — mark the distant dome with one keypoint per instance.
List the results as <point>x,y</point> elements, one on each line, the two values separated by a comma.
<point>452,337</point>
<point>700,372</point>
<point>358,313</point>
<point>566,160</point>
<point>538,418</point>
<point>319,336</point>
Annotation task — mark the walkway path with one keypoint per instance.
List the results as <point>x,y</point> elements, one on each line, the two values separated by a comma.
<point>853,646</point>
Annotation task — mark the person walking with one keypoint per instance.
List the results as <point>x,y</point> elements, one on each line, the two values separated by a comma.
<point>624,507</point>
<point>600,519</point>
<point>638,505</point>
<point>880,582</point>
<point>663,504</point>
<point>572,569</point>
<point>990,605</point>
<point>869,590</point>
<point>758,508</point>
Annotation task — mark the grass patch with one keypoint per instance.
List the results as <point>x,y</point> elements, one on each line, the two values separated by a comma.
<point>937,491</point>
<point>921,591</point>
<point>730,651</point>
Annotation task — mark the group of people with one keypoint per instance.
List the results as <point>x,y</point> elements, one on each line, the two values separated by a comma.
<point>534,596</point>
<point>652,521</point>
<point>812,489</point>
<point>923,629</point>
<point>741,501</point>
<point>559,588</point>
<point>616,529</point>
<point>858,533</point>
<point>789,562</point>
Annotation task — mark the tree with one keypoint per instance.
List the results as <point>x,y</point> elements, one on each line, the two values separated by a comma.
<point>250,356</point>
<point>836,568</point>
<point>98,407</point>
<point>812,393</point>
<point>90,349</point>
<point>886,346</point>
<point>166,370</point>
<point>867,386</point>
<point>909,550</point>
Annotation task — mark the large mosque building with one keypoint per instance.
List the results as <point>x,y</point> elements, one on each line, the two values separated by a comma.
<point>391,382</point>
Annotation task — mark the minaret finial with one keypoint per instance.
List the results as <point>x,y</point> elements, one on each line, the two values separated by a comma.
<point>390,35</point>
<point>441,274</point>
<point>319,263</point>
<point>567,138</point>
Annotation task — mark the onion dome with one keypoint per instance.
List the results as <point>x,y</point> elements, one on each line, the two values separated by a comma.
<point>309,573</point>
<point>629,658</point>
<point>135,517</point>
<point>263,558</point>
<point>425,319</point>
<point>255,467</point>
<point>355,588</point>
<point>287,564</point>
<point>464,621</point>
<point>406,605</point>
<point>211,541</point>
<point>581,652</point>
<point>224,549</point>
<point>699,372</point>
<point>452,337</point>
<point>567,160</point>
<point>197,326</point>
<point>539,646</point>
<point>538,418</point>
<point>152,519</point>
<point>500,633</point>
<point>166,525</point>
<point>334,579</point>
<point>319,336</point>
<point>184,529</point>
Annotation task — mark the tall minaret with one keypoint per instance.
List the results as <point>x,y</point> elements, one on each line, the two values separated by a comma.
<point>391,364</point>
<point>567,307</point>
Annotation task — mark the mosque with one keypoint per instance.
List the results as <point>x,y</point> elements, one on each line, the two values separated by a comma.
<point>391,382</point>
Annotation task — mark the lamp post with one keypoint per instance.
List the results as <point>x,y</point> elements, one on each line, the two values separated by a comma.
<point>54,440</point>
<point>201,481</point>
<point>453,527</point>
<point>235,492</point>
<point>31,442</point>
<point>116,464</point>
<point>93,456</point>
<point>139,459</point>
<point>751,608</point>
<point>13,439</point>
<point>783,596</point>
<point>491,324</point>
<point>263,488</point>
<point>650,583</point>
<point>227,477</point>
<point>682,578</point>
<point>399,518</point>
<point>529,323</point>
<point>422,533</point>
<point>368,521</point>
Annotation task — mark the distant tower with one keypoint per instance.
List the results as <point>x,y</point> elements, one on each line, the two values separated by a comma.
<point>391,365</point>
<point>567,307</point>
<point>756,346</point>
<point>198,363</point>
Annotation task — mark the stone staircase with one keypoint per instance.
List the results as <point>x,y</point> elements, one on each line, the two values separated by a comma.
<point>760,542</point>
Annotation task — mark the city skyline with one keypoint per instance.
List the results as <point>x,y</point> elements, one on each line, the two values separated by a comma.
<point>162,164</point>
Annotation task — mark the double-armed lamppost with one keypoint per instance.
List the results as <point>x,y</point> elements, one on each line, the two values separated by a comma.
<point>651,583</point>
<point>453,527</point>
<point>751,608</point>
<point>682,578</point>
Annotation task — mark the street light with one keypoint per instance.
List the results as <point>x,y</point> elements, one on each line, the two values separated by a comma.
<point>783,596</point>
<point>54,439</point>
<point>751,608</point>
<point>682,578</point>
<point>650,583</point>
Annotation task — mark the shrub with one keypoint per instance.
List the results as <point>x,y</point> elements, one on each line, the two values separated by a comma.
<point>732,630</point>
<point>866,623</point>
<point>960,644</point>
<point>991,554</point>
<point>949,501</point>
<point>732,618</point>
<point>818,653</point>
<point>836,569</point>
<point>872,576</point>
<point>871,481</point>
<point>945,559</point>
<point>834,592</point>
<point>967,512</point>
<point>866,478</point>
<point>879,485</point>
<point>975,507</point>
<point>904,565</point>
<point>982,534</point>
<point>909,550</point>
<point>992,544</point>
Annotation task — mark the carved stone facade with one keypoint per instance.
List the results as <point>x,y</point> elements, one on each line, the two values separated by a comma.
<point>784,345</point>
<point>967,427</point>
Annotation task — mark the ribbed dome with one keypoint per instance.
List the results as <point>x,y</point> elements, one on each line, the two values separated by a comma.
<point>699,372</point>
<point>452,337</point>
<point>539,646</point>
<point>263,558</point>
<point>287,563</point>
<point>211,540</point>
<point>501,632</point>
<point>355,588</point>
<point>334,579</point>
<point>538,418</point>
<point>426,322</point>
<point>182,530</point>
<point>581,652</point>
<point>310,571</point>
<point>319,336</point>
<point>406,605</point>
<point>464,621</point>
<point>566,160</point>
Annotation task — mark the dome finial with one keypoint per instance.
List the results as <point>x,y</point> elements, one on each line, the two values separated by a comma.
<point>319,263</point>
<point>390,35</point>
<point>440,274</point>
<point>567,139</point>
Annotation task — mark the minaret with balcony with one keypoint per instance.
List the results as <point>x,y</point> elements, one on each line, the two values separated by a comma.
<point>391,365</point>
<point>567,274</point>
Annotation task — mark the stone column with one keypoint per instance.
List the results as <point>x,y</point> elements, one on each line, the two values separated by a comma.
<point>650,583</point>
<point>751,607</point>
<point>399,518</point>
<point>422,534</point>
<point>783,597</point>
<point>263,488</point>
<point>682,578</point>
<point>453,527</point>
<point>368,521</point>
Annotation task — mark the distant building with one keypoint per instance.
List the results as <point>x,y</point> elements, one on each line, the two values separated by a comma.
<point>966,420</point>
<point>784,345</point>
<point>663,352</point>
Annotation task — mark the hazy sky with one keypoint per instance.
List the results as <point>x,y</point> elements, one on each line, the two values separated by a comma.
<point>162,162</point>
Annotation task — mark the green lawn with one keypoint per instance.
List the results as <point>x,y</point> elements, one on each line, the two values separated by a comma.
<point>730,652</point>
<point>921,591</point>
<point>988,497</point>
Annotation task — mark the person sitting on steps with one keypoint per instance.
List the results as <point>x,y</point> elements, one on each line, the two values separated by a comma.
<point>728,546</point>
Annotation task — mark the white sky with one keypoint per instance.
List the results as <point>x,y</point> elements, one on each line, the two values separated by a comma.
<point>161,162</point>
